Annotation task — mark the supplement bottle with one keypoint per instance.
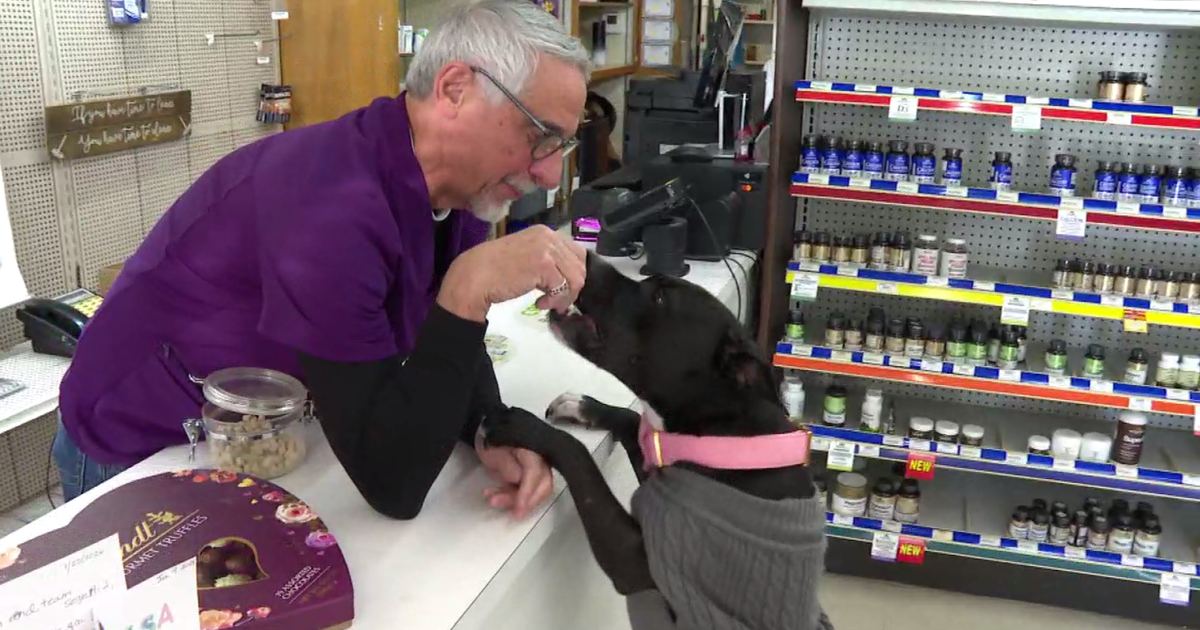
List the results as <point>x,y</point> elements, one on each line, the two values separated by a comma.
<point>1134,86</point>
<point>1060,530</point>
<point>898,163</point>
<point>946,431</point>
<point>1137,368</point>
<point>1129,182</point>
<point>1038,445</point>
<point>1079,528</point>
<point>802,246</point>
<point>956,343</point>
<point>854,335</point>
<point>952,167</point>
<point>883,501</point>
<point>1120,540</point>
<point>810,155</point>
<point>831,156</point>
<point>1106,279</point>
<point>977,351</point>
<point>873,341</point>
<point>1062,175</point>
<point>972,435</point>
<point>795,326</point>
<point>852,159</point>
<point>1018,527</point>
<point>954,259</point>
<point>1189,287</point>
<point>792,393</point>
<point>1056,357</point>
<point>874,161</point>
<point>935,343</point>
<point>1175,187</point>
<point>1151,184</point>
<point>834,409</point>
<point>920,428</point>
<point>850,495</point>
<point>1126,281</point>
<point>908,503</point>
<point>835,331</point>
<point>925,255</point>
<point>1039,527</point>
<point>914,339</point>
<point>994,342</point>
<point>1062,274</point>
<point>1002,171</point>
<point>1098,533</point>
<point>841,250</point>
<point>1167,374</point>
<point>822,252</point>
<point>1093,361</point>
<point>1131,434</point>
<point>900,253</point>
<point>1110,87</point>
<point>1105,185</point>
<point>1087,277</point>
<point>1147,282</point>
<point>1189,372</point>
<point>924,163</point>
<point>895,336</point>
<point>1145,541</point>
<point>860,251</point>
<point>872,412</point>
<point>1009,350</point>
<point>880,244</point>
<point>1193,177</point>
<point>1168,289</point>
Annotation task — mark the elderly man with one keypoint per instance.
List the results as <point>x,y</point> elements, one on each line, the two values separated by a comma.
<point>333,253</point>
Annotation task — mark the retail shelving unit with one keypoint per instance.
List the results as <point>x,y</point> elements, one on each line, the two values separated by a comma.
<point>969,66</point>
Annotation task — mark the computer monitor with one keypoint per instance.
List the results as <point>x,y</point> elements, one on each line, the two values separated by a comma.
<point>723,36</point>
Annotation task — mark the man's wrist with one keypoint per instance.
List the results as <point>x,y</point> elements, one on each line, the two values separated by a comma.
<point>462,301</point>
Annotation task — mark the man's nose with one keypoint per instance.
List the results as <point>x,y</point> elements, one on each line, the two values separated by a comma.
<point>547,172</point>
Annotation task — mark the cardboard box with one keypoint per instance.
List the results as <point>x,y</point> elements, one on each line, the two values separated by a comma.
<point>107,276</point>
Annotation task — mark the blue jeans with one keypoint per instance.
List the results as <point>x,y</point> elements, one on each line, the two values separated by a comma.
<point>79,473</point>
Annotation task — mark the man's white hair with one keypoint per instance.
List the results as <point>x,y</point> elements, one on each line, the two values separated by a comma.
<point>503,37</point>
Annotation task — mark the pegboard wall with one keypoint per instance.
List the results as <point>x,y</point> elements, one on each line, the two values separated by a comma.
<point>1012,58</point>
<point>70,220</point>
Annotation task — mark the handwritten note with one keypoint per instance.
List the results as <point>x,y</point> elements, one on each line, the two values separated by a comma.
<point>166,601</point>
<point>61,595</point>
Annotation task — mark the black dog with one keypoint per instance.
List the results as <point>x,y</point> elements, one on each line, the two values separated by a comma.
<point>683,353</point>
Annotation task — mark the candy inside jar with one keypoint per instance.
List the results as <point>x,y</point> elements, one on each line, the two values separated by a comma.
<point>254,421</point>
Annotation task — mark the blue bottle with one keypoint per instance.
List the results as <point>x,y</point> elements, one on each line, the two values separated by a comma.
<point>1062,175</point>
<point>852,159</point>
<point>1129,182</point>
<point>810,155</point>
<point>873,161</point>
<point>1105,186</point>
<point>898,163</point>
<point>1175,187</point>
<point>1002,171</point>
<point>831,156</point>
<point>924,164</point>
<point>1151,185</point>
<point>1193,188</point>
<point>952,167</point>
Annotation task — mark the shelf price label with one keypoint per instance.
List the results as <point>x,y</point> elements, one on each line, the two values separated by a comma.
<point>1120,118</point>
<point>1026,118</point>
<point>1137,403</point>
<point>903,108</point>
<point>1015,311</point>
<point>804,286</point>
<point>1072,222</point>
<point>885,546</point>
<point>1174,589</point>
<point>1135,321</point>
<point>911,550</point>
<point>841,456</point>
<point>920,466</point>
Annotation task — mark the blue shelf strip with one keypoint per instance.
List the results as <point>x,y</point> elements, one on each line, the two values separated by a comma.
<point>972,285</point>
<point>1008,544</point>
<point>987,194</point>
<point>982,371</point>
<point>1011,99</point>
<point>1162,483</point>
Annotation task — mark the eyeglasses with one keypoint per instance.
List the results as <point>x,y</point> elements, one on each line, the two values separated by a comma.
<point>550,141</point>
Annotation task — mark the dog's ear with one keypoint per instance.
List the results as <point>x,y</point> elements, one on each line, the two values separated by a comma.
<point>739,360</point>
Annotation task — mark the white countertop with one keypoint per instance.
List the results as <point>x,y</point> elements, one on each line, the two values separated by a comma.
<point>430,571</point>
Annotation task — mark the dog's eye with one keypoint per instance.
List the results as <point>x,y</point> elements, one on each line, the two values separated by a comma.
<point>660,297</point>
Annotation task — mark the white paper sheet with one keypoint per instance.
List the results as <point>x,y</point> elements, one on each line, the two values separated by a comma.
<point>61,595</point>
<point>12,284</point>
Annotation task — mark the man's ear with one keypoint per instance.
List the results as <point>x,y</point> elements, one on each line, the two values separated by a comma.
<point>740,362</point>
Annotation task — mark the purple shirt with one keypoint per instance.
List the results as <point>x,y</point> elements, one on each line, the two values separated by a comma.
<point>319,240</point>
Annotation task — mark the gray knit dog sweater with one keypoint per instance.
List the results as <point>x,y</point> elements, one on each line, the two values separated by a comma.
<point>726,560</point>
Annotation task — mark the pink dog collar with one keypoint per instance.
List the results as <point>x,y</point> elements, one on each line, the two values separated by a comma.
<point>660,448</point>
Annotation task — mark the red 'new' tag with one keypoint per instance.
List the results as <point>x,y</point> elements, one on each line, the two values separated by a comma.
<point>920,466</point>
<point>912,550</point>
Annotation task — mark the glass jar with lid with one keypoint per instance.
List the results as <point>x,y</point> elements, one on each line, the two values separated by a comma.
<point>253,421</point>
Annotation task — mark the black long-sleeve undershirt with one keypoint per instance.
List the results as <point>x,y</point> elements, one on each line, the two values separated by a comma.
<point>393,423</point>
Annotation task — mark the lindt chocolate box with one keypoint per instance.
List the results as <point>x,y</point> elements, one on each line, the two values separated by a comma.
<point>264,560</point>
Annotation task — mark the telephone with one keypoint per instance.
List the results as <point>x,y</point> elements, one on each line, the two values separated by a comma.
<point>54,326</point>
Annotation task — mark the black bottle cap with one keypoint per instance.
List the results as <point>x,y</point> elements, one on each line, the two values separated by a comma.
<point>916,330</point>
<point>1063,264</point>
<point>797,316</point>
<point>812,140</point>
<point>837,321</point>
<point>1010,337</point>
<point>1003,156</point>
<point>801,237</point>
<point>1110,76</point>
<point>979,336</point>
<point>875,326</point>
<point>898,146</point>
<point>1145,508</point>
<point>1124,521</point>
<point>1146,272</point>
<point>1089,267</point>
<point>1131,168</point>
<point>1137,355</point>
<point>1108,269</point>
<point>1100,523</point>
<point>1137,77</point>
<point>1118,506</point>
<point>838,240</point>
<point>1080,517</point>
<point>860,241</point>
<point>1039,504</point>
<point>1064,159</point>
<point>1040,517</point>
<point>910,487</point>
<point>876,314</point>
<point>900,239</point>
<point>1152,169</point>
<point>935,333</point>
<point>1076,265</point>
<point>1175,172</point>
<point>854,145</point>
<point>875,147</point>
<point>836,391</point>
<point>924,148</point>
<point>884,487</point>
<point>958,333</point>
<point>896,327</point>
<point>821,238</point>
<point>854,324</point>
<point>1126,271</point>
<point>1152,525</point>
<point>834,143</point>
<point>1021,514</point>
<point>1058,507</point>
<point>1062,520</point>
<point>882,238</point>
<point>1058,346</point>
<point>1104,166</point>
<point>1095,351</point>
<point>953,153</point>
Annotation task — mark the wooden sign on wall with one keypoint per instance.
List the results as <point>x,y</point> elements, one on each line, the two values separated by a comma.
<point>80,130</point>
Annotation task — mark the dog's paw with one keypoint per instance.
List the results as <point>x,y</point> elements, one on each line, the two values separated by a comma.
<point>568,409</point>
<point>516,428</point>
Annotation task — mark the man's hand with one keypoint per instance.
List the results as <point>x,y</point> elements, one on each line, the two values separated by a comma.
<point>526,478</point>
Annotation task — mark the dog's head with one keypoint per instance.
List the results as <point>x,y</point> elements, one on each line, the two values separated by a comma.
<point>676,346</point>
